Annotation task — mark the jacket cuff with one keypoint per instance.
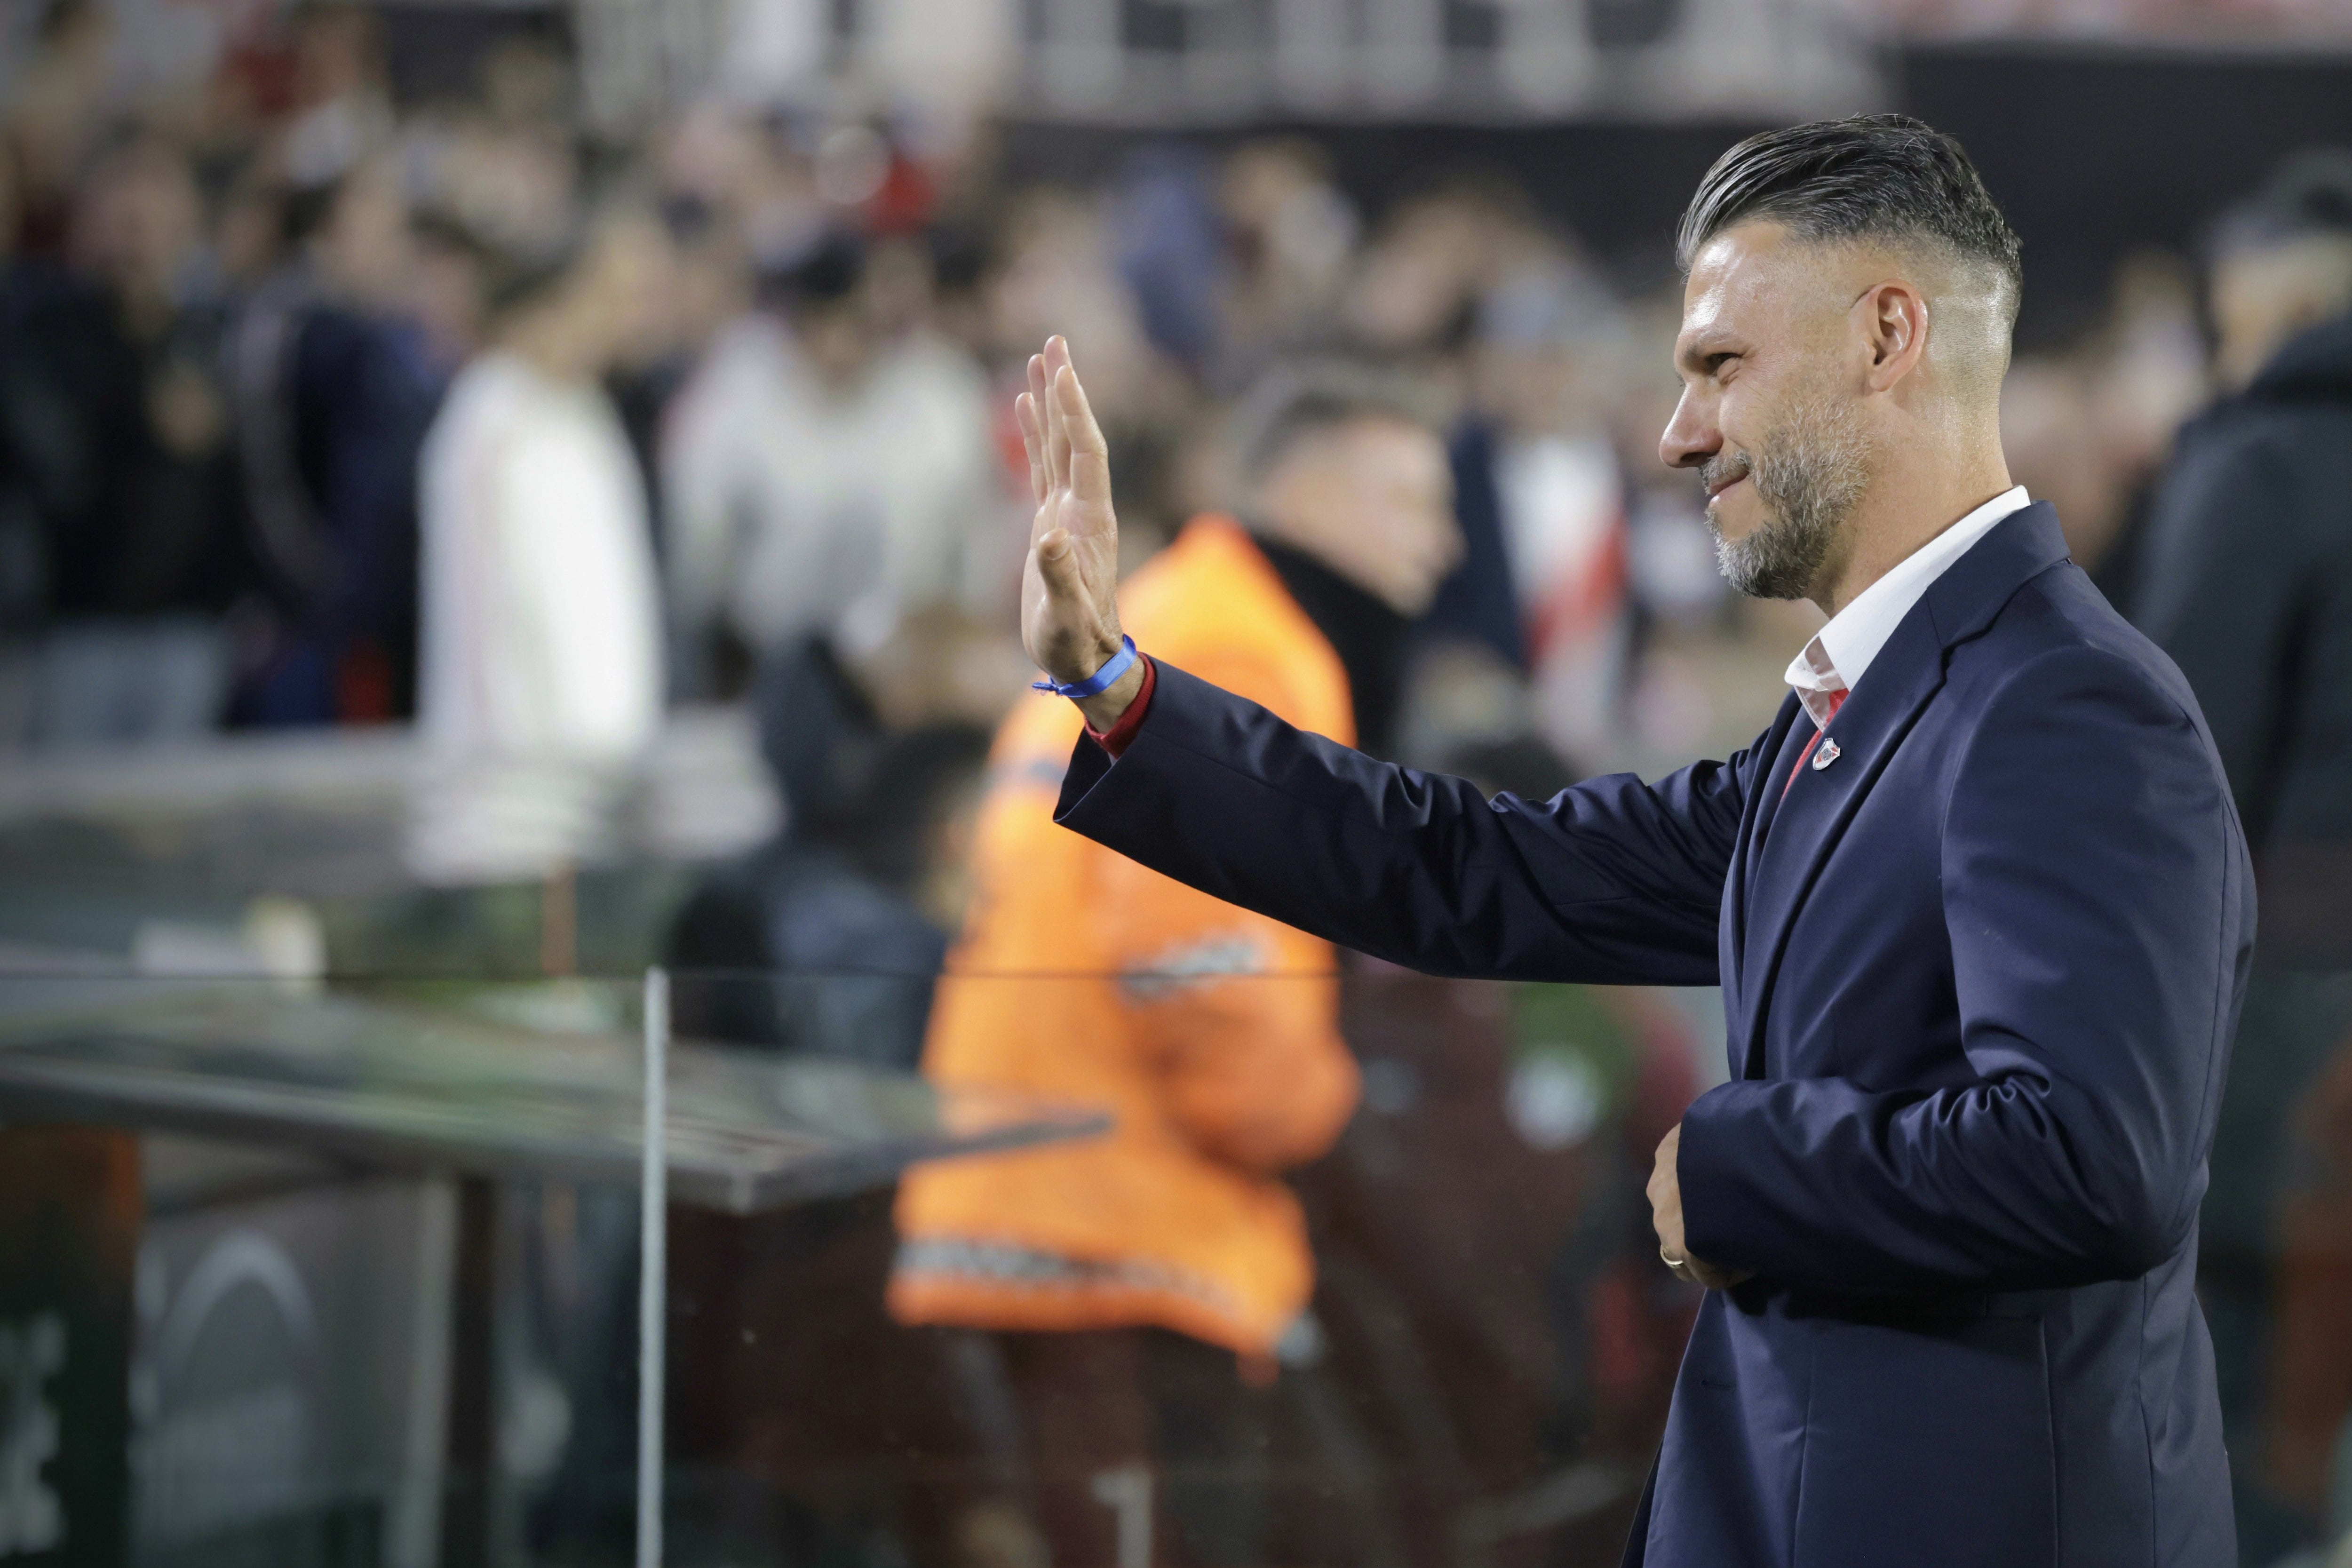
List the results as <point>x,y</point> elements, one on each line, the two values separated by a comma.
<point>1716,1225</point>
<point>1116,739</point>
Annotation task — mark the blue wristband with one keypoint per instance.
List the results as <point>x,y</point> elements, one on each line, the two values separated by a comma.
<point>1100,681</point>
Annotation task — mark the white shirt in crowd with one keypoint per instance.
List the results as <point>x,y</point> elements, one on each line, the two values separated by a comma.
<point>794,506</point>
<point>1842,650</point>
<point>541,679</point>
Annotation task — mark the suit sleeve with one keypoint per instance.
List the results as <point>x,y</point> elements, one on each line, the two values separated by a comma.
<point>2097,899</point>
<point>1614,881</point>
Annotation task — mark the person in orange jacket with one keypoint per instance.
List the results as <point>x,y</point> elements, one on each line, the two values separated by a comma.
<point>1124,1275</point>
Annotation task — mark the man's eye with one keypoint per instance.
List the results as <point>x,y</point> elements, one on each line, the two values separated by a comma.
<point>1715,363</point>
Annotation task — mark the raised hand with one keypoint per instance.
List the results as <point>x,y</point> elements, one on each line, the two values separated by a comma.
<point>1070,585</point>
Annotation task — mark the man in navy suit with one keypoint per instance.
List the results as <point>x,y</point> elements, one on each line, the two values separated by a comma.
<point>1977,902</point>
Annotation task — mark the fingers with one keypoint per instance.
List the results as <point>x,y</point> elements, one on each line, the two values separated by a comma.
<point>1058,428</point>
<point>1032,440</point>
<point>1040,403</point>
<point>1089,453</point>
<point>1058,445</point>
<point>1085,435</point>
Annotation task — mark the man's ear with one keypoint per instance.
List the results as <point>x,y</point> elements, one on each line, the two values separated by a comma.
<point>1894,317</point>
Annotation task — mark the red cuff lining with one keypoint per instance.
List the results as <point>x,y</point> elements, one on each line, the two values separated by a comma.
<point>1118,738</point>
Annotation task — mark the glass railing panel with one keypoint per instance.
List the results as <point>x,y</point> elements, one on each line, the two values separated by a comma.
<point>1359,1270</point>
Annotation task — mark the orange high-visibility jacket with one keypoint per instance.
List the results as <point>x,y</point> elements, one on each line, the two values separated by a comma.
<point>1210,1032</point>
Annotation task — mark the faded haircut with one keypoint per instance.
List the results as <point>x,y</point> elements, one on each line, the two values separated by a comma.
<point>1868,176</point>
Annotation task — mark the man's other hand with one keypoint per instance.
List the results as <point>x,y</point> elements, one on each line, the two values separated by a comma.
<point>1666,1216</point>
<point>1070,585</point>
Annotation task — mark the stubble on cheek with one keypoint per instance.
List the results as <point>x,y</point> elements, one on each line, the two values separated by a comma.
<point>1809,474</point>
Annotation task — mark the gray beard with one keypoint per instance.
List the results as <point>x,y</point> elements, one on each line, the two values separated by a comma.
<point>1811,471</point>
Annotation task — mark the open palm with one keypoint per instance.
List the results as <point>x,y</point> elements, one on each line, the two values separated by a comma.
<point>1069,584</point>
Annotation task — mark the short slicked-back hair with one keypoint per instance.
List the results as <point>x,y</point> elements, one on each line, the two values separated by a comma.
<point>1881,176</point>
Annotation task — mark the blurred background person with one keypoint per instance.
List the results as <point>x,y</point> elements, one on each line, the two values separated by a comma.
<point>2089,428</point>
<point>853,903</point>
<point>826,474</point>
<point>2246,581</point>
<point>541,681</point>
<point>58,111</point>
<point>118,468</point>
<point>1140,1285</point>
<point>335,383</point>
<point>1543,363</point>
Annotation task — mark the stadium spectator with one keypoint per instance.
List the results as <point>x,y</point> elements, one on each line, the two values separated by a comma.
<point>541,676</point>
<point>1123,1276</point>
<point>115,459</point>
<point>850,908</point>
<point>1541,459</point>
<point>334,384</point>
<point>59,112</point>
<point>2247,582</point>
<point>823,476</point>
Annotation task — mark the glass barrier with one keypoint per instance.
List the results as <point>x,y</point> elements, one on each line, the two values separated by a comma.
<point>1169,1267</point>
<point>341,1272</point>
<point>306,1273</point>
<point>1357,1270</point>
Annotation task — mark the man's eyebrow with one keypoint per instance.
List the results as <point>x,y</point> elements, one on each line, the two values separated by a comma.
<point>1704,344</point>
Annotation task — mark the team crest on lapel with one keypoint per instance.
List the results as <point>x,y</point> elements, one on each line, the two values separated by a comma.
<point>1825,754</point>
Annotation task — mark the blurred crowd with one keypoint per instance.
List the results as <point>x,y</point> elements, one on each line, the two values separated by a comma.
<point>286,355</point>
<point>283,355</point>
<point>321,405</point>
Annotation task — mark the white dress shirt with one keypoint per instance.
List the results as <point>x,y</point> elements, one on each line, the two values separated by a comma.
<point>1841,652</point>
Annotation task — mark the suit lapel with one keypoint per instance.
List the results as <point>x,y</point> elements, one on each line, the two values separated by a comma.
<point>1763,762</point>
<point>1794,833</point>
<point>1806,823</point>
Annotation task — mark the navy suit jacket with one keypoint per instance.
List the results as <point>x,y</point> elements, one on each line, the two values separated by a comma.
<point>1981,973</point>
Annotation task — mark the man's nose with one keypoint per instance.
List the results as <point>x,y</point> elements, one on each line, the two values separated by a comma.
<point>1691,438</point>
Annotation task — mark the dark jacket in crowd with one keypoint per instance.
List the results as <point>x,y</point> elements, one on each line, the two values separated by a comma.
<point>109,519</point>
<point>815,942</point>
<point>332,406</point>
<point>2246,581</point>
<point>1478,601</point>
